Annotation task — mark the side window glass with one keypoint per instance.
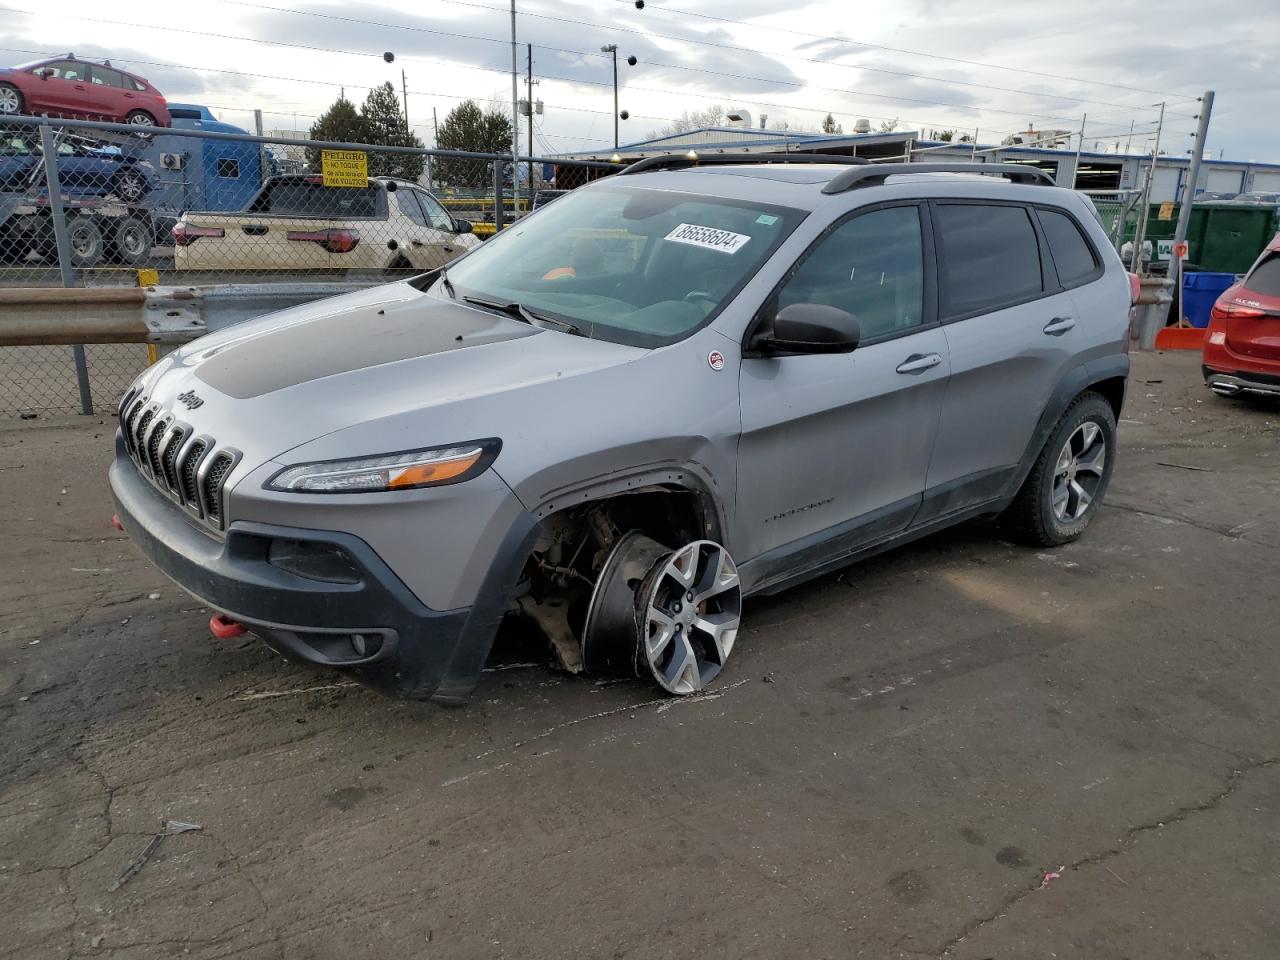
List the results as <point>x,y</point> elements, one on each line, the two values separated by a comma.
<point>409,207</point>
<point>990,257</point>
<point>436,214</point>
<point>107,77</point>
<point>872,267</point>
<point>65,70</point>
<point>1071,252</point>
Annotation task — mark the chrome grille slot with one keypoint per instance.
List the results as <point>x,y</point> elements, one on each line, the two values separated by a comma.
<point>218,470</point>
<point>130,422</point>
<point>187,472</point>
<point>159,427</point>
<point>139,434</point>
<point>169,456</point>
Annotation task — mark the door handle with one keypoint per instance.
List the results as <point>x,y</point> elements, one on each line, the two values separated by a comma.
<point>417,243</point>
<point>1058,326</point>
<point>919,363</point>
<point>447,249</point>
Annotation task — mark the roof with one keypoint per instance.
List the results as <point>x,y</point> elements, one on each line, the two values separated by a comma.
<point>744,138</point>
<point>1089,155</point>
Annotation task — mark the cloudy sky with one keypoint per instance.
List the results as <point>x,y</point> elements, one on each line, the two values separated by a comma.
<point>929,64</point>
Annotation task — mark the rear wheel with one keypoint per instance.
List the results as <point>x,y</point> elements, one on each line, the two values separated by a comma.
<point>130,186</point>
<point>11,102</point>
<point>86,242</point>
<point>131,241</point>
<point>1069,478</point>
<point>140,118</point>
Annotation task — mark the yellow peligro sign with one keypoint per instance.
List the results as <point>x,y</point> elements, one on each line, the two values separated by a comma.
<point>344,168</point>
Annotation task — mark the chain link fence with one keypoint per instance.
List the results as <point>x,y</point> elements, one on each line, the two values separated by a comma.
<point>102,204</point>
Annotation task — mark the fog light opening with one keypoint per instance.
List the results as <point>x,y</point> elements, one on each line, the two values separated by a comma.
<point>358,645</point>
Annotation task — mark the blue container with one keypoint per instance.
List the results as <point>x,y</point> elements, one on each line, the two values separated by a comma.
<point>1200,291</point>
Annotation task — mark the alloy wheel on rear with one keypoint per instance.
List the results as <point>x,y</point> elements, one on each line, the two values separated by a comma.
<point>1078,474</point>
<point>691,609</point>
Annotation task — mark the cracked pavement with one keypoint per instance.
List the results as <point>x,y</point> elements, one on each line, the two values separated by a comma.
<point>891,764</point>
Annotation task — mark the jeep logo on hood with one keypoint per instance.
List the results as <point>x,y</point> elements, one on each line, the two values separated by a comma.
<point>190,400</point>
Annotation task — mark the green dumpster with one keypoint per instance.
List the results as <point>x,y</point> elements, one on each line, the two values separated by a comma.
<point>1222,237</point>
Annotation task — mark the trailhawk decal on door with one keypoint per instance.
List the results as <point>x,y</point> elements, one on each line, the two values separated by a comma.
<point>708,238</point>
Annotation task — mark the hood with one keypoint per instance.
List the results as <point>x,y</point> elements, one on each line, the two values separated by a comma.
<point>388,355</point>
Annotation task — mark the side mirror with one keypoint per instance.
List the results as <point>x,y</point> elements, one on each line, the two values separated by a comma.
<point>801,328</point>
<point>463,226</point>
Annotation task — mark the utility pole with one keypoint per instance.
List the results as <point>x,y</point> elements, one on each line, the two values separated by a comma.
<point>1140,234</point>
<point>1128,145</point>
<point>612,48</point>
<point>404,93</point>
<point>973,154</point>
<point>435,141</point>
<point>1075,171</point>
<point>1189,191</point>
<point>529,94</point>
<point>515,117</point>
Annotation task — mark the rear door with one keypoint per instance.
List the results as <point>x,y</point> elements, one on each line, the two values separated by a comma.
<point>834,448</point>
<point>106,91</point>
<point>1011,334</point>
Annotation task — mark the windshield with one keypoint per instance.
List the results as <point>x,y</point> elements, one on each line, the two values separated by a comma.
<point>635,266</point>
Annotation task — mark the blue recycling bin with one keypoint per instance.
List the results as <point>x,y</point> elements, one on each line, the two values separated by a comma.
<point>1200,291</point>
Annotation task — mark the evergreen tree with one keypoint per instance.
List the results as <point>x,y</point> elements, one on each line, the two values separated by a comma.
<point>340,123</point>
<point>385,125</point>
<point>829,125</point>
<point>467,127</point>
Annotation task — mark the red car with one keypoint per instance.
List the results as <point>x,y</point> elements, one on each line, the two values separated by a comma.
<point>78,89</point>
<point>1242,344</point>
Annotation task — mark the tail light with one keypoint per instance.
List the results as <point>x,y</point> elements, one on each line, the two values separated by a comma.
<point>1224,309</point>
<point>184,234</point>
<point>1135,288</point>
<point>335,241</point>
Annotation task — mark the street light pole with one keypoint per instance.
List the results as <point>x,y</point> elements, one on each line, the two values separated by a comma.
<point>613,49</point>
<point>515,116</point>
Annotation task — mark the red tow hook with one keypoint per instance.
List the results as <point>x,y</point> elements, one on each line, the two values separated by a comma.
<point>115,522</point>
<point>224,628</point>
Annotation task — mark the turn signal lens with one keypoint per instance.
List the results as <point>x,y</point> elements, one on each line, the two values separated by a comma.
<point>394,471</point>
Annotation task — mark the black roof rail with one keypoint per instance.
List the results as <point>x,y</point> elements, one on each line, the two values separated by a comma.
<point>668,161</point>
<point>876,174</point>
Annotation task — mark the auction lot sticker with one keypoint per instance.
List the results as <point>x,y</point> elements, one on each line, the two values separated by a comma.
<point>708,238</point>
<point>344,168</point>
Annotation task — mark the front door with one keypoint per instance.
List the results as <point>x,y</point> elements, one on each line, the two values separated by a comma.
<point>835,448</point>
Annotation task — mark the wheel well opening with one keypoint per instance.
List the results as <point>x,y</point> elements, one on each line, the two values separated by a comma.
<point>553,593</point>
<point>1113,391</point>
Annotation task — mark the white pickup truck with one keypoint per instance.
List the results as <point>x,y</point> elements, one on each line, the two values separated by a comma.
<point>295,222</point>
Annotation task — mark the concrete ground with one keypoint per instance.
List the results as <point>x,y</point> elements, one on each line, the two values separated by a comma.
<point>960,749</point>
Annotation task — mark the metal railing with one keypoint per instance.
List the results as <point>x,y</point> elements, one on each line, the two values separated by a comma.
<point>89,204</point>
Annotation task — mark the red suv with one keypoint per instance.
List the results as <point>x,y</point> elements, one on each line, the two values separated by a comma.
<point>1242,344</point>
<point>67,87</point>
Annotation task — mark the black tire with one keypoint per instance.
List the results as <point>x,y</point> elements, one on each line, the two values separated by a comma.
<point>86,242</point>
<point>130,186</point>
<point>131,241</point>
<point>1032,518</point>
<point>12,96</point>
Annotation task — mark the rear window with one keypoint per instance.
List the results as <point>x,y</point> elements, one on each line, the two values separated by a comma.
<point>1071,252</point>
<point>991,258</point>
<point>305,198</point>
<point>1265,277</point>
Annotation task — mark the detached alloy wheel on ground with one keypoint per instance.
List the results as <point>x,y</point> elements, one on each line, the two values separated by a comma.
<point>692,607</point>
<point>1069,478</point>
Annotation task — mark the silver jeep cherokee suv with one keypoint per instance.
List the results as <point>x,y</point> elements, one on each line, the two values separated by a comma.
<point>670,389</point>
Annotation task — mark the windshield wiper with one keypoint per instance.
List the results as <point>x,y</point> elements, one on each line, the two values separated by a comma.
<point>447,283</point>
<point>518,311</point>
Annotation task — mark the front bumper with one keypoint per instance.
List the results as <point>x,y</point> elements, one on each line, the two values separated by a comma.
<point>1230,384</point>
<point>411,650</point>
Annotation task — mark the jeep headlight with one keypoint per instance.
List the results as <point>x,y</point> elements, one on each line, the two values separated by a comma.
<point>434,467</point>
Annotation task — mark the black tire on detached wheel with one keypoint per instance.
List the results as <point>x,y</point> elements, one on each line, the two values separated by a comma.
<point>86,242</point>
<point>131,241</point>
<point>1069,478</point>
